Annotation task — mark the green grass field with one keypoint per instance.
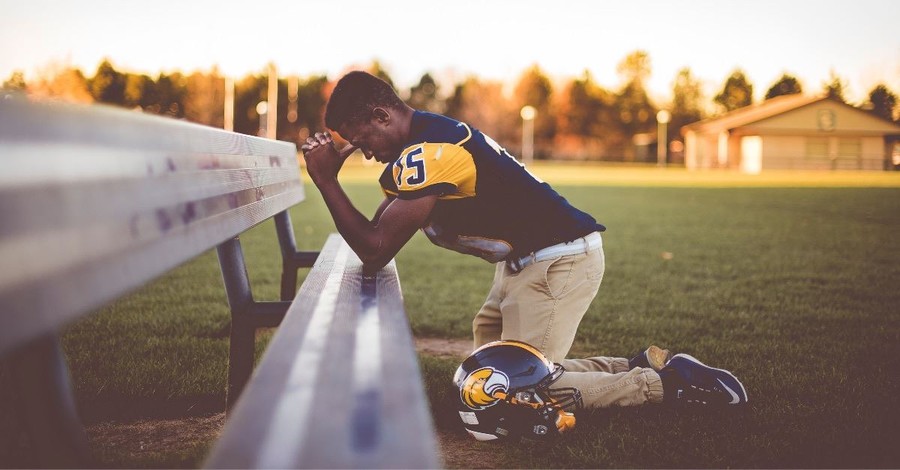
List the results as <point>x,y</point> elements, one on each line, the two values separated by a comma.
<point>790,281</point>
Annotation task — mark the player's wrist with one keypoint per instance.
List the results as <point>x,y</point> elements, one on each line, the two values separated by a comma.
<point>325,182</point>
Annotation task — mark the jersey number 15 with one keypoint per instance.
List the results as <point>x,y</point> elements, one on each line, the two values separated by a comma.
<point>411,162</point>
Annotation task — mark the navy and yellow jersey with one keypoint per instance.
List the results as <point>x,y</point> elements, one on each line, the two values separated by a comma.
<point>488,205</point>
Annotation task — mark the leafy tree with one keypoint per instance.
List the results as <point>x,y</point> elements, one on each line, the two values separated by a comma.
<point>883,102</point>
<point>108,85</point>
<point>786,85</point>
<point>687,101</point>
<point>587,122</point>
<point>482,104</point>
<point>636,113</point>
<point>204,98</point>
<point>424,95</point>
<point>632,103</point>
<point>248,92</point>
<point>15,82</point>
<point>687,97</point>
<point>533,88</point>
<point>455,104</point>
<point>736,93</point>
<point>578,108</point>
<point>585,108</point>
<point>378,70</point>
<point>309,107</point>
<point>62,83</point>
<point>834,87</point>
<point>140,91</point>
<point>635,67</point>
<point>171,90</point>
<point>311,102</point>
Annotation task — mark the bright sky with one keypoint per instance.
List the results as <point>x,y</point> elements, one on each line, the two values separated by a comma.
<point>495,39</point>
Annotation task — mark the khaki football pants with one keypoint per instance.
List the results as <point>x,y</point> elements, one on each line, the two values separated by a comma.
<point>542,305</point>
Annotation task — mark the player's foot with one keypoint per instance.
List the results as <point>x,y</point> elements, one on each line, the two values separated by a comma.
<point>689,381</point>
<point>654,357</point>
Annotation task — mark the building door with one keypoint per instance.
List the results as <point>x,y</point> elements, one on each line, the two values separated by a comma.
<point>751,154</point>
<point>849,154</point>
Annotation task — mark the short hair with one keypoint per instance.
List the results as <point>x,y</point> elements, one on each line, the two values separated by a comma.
<point>355,96</point>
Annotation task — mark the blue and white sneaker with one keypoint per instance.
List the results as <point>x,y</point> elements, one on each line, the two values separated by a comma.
<point>689,381</point>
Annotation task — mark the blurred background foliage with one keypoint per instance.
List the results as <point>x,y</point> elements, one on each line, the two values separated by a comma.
<point>577,118</point>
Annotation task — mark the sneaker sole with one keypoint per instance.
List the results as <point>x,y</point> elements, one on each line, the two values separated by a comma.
<point>722,371</point>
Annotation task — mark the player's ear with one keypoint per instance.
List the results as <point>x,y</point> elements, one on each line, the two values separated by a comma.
<point>381,115</point>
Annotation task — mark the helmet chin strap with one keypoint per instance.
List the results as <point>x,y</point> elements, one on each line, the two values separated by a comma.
<point>500,395</point>
<point>565,421</point>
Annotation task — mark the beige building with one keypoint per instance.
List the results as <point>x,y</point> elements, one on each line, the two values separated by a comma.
<point>792,132</point>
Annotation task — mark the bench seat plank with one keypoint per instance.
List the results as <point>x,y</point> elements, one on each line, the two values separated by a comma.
<point>339,385</point>
<point>96,201</point>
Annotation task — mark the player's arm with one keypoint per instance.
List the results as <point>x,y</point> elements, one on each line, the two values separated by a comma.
<point>381,207</point>
<point>377,241</point>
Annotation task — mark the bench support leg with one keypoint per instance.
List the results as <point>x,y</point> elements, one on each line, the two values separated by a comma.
<point>246,316</point>
<point>38,369</point>
<point>240,358</point>
<point>243,333</point>
<point>292,260</point>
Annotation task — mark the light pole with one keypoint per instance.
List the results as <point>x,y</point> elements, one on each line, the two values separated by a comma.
<point>662,118</point>
<point>262,108</point>
<point>272,104</point>
<point>528,114</point>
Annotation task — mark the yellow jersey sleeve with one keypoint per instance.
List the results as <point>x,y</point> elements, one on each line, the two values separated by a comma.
<point>442,169</point>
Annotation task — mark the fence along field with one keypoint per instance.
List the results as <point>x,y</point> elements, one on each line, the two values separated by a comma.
<point>793,288</point>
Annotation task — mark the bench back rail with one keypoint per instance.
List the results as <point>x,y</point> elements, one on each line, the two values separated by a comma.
<point>95,202</point>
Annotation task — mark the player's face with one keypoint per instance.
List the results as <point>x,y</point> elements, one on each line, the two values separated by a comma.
<point>374,139</point>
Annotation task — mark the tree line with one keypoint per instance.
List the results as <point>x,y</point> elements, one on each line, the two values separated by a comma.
<point>579,119</point>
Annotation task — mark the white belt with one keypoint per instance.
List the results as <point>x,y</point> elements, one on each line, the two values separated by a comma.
<point>574,247</point>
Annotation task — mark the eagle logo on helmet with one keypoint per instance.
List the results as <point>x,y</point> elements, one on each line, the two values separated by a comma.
<point>479,389</point>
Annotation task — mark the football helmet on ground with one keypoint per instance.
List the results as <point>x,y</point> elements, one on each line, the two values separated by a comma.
<point>504,392</point>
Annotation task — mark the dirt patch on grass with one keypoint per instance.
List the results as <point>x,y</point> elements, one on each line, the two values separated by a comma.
<point>443,347</point>
<point>145,437</point>
<point>462,451</point>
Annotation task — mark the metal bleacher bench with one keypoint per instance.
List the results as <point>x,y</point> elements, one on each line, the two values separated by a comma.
<point>96,202</point>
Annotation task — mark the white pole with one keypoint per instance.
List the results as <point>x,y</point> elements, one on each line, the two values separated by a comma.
<point>662,144</point>
<point>293,90</point>
<point>528,114</point>
<point>262,108</point>
<point>272,110</point>
<point>229,104</point>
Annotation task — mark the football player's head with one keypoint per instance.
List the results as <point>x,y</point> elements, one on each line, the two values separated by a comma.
<point>504,392</point>
<point>366,111</point>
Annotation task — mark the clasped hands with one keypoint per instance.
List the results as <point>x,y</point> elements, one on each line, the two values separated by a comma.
<point>323,160</point>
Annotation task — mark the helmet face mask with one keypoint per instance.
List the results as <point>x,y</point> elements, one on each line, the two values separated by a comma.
<point>505,393</point>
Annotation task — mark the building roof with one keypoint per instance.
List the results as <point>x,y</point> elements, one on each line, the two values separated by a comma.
<point>753,113</point>
<point>780,105</point>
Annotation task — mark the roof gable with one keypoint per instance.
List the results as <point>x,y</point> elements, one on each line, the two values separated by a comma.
<point>796,112</point>
<point>825,116</point>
